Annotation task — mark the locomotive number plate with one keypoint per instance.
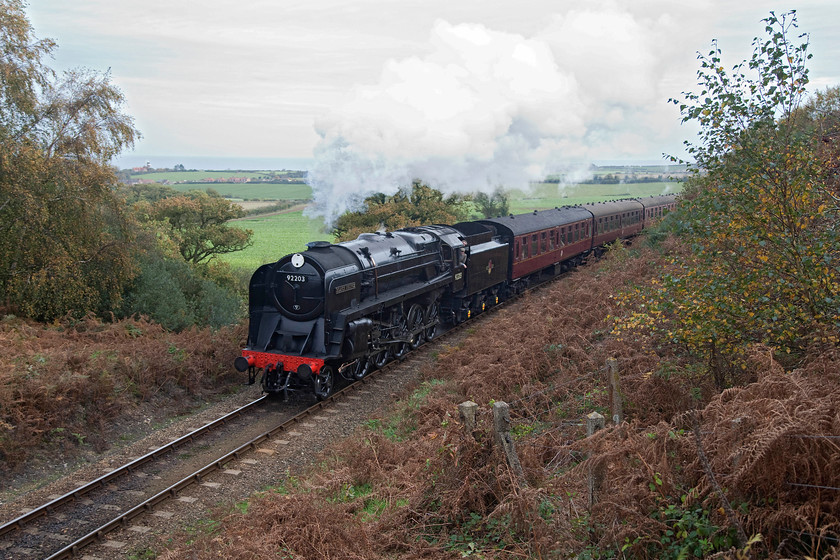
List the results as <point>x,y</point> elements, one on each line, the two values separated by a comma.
<point>295,278</point>
<point>345,288</point>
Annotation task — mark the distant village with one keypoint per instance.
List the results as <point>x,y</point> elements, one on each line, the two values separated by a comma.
<point>284,176</point>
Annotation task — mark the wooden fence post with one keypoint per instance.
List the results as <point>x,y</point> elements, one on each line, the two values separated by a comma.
<point>594,422</point>
<point>501,430</point>
<point>467,411</point>
<point>616,405</point>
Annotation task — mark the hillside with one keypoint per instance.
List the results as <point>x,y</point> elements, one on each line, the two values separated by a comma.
<point>690,471</point>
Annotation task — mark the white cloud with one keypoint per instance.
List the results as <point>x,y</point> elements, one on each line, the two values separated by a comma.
<point>217,77</point>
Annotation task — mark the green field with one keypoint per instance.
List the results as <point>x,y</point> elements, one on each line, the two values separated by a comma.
<point>251,191</point>
<point>280,234</point>
<point>178,176</point>
<point>549,195</point>
<point>275,236</point>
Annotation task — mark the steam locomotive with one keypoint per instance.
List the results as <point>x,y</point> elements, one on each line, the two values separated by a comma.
<point>347,308</point>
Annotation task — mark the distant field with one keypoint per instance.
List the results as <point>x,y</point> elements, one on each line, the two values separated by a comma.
<point>261,191</point>
<point>175,176</point>
<point>549,195</point>
<point>274,237</point>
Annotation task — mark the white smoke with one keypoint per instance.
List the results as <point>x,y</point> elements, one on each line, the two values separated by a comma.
<point>486,108</point>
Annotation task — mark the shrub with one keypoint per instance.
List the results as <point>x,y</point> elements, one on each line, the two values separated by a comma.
<point>177,296</point>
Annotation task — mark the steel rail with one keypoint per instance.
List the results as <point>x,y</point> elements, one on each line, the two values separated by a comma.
<point>216,465</point>
<point>100,482</point>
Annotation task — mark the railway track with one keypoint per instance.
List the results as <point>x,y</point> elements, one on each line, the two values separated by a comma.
<point>111,498</point>
<point>54,530</point>
<point>61,527</point>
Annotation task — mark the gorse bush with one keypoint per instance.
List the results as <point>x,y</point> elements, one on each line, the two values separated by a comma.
<point>176,295</point>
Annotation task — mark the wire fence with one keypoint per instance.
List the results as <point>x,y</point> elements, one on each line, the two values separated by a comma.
<point>538,425</point>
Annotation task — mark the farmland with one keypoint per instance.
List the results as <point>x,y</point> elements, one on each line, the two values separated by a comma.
<point>278,234</point>
<point>283,233</point>
<point>251,191</point>
<point>274,236</point>
<point>548,195</point>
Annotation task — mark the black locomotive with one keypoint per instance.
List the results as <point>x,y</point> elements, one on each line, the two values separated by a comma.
<point>347,308</point>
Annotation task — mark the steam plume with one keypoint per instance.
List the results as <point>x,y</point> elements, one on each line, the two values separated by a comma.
<point>486,108</point>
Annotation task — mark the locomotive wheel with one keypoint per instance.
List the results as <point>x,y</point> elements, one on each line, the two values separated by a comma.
<point>322,383</point>
<point>382,357</point>
<point>363,367</point>
<point>415,322</point>
<point>400,331</point>
<point>401,349</point>
<point>432,313</point>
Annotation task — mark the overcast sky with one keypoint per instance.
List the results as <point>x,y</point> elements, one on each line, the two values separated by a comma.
<point>252,78</point>
<point>453,85</point>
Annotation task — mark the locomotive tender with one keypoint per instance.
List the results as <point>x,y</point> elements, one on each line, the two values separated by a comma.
<point>350,307</point>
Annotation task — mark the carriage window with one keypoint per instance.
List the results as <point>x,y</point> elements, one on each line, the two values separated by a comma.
<point>543,242</point>
<point>525,252</point>
<point>516,251</point>
<point>534,246</point>
<point>551,243</point>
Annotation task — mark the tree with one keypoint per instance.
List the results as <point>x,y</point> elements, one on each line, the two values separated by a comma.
<point>492,205</point>
<point>822,115</point>
<point>63,233</point>
<point>197,223</point>
<point>762,246</point>
<point>423,205</point>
